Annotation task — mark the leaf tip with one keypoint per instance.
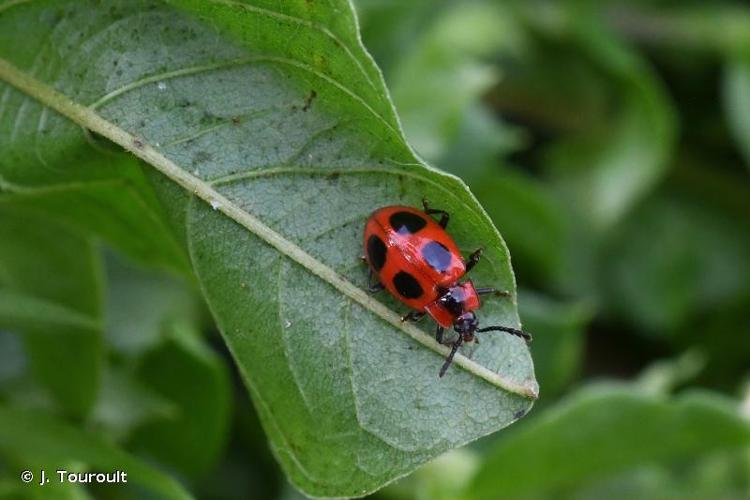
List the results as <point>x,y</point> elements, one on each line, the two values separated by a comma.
<point>532,391</point>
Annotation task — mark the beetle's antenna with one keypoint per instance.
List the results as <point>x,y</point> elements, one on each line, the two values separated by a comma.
<point>449,359</point>
<point>518,333</point>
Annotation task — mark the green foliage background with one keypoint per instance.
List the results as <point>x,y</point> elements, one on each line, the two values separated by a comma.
<point>609,142</point>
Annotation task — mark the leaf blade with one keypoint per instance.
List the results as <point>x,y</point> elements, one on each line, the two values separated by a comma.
<point>604,429</point>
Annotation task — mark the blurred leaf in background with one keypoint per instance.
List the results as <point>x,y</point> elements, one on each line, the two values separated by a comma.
<point>737,100</point>
<point>36,441</point>
<point>602,430</point>
<point>51,279</point>
<point>186,372</point>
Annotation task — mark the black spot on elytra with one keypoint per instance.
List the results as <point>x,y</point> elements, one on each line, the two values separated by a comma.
<point>376,252</point>
<point>437,256</point>
<point>407,285</point>
<point>406,222</point>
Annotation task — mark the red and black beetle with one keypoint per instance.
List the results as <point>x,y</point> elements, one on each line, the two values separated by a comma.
<point>415,259</point>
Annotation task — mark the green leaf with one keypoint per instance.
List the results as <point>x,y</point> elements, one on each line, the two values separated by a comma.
<point>661,377</point>
<point>446,70</point>
<point>124,404</point>
<point>530,218</point>
<point>141,304</point>
<point>656,281</point>
<point>50,291</point>
<point>195,380</point>
<point>445,478</point>
<point>22,311</point>
<point>12,358</point>
<point>608,164</point>
<point>38,439</point>
<point>122,210</point>
<point>717,475</point>
<point>278,139</point>
<point>603,430</point>
<point>15,489</point>
<point>390,27</point>
<point>736,97</point>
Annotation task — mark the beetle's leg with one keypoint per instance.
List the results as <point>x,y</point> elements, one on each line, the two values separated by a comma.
<point>493,291</point>
<point>449,359</point>
<point>412,316</point>
<point>444,216</point>
<point>439,330</point>
<point>474,258</point>
<point>373,287</point>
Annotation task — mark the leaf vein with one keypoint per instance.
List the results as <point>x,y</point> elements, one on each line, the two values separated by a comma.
<point>168,75</point>
<point>305,23</point>
<point>285,344</point>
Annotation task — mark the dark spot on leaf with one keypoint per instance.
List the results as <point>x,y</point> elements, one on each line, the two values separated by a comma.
<point>201,157</point>
<point>406,222</point>
<point>309,99</point>
<point>376,252</point>
<point>407,285</point>
<point>208,118</point>
<point>519,414</point>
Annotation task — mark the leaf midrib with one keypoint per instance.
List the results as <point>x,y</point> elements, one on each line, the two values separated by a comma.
<point>89,119</point>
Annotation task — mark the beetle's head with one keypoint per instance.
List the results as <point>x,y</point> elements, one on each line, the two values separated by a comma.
<point>466,324</point>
